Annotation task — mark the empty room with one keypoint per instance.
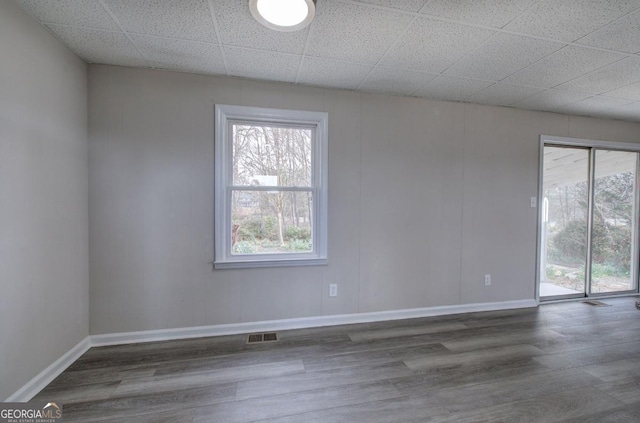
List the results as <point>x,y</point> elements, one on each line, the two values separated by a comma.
<point>320,211</point>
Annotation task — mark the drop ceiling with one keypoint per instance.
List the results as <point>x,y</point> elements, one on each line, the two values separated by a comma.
<point>578,57</point>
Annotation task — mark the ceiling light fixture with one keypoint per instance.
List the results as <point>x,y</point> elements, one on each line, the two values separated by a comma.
<point>283,15</point>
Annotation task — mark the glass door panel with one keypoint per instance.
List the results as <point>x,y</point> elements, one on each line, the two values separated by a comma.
<point>614,223</point>
<point>564,226</point>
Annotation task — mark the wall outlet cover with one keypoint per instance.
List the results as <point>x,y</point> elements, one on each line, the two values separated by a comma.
<point>333,289</point>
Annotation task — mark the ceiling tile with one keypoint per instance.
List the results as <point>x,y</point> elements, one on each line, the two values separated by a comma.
<point>432,46</point>
<point>410,5</point>
<point>331,73</point>
<point>550,100</point>
<point>562,66</point>
<point>496,13</point>
<point>630,92</point>
<point>238,28</point>
<point>184,19</point>
<point>593,106</point>
<point>97,46</point>
<point>502,56</point>
<point>503,94</point>
<point>622,35</point>
<point>260,64</point>
<point>617,75</point>
<point>450,88</point>
<point>181,55</point>
<point>395,81</point>
<point>569,20</point>
<point>88,13</point>
<point>352,32</point>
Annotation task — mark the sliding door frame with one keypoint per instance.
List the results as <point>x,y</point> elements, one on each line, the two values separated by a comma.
<point>593,146</point>
<point>590,206</point>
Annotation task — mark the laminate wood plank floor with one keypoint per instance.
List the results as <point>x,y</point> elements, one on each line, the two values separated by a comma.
<point>562,362</point>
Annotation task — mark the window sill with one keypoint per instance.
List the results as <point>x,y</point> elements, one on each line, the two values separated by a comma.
<point>249,264</point>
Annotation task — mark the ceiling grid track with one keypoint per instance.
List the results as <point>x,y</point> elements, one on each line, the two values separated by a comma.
<point>304,52</point>
<point>395,43</point>
<point>126,34</point>
<point>216,28</point>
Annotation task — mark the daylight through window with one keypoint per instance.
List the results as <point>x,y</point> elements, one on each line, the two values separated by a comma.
<point>271,187</point>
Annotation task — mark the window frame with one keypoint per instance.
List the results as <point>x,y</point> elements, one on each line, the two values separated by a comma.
<point>225,116</point>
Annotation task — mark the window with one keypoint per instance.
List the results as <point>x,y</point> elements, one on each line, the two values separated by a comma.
<point>271,187</point>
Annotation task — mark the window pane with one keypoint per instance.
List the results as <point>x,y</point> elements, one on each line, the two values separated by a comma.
<point>613,227</point>
<point>271,156</point>
<point>271,222</point>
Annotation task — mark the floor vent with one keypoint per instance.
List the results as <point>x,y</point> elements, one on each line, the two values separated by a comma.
<point>257,338</point>
<point>596,303</point>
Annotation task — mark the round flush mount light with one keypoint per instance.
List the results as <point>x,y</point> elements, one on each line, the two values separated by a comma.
<point>283,15</point>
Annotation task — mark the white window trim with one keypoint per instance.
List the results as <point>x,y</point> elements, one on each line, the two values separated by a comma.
<point>223,257</point>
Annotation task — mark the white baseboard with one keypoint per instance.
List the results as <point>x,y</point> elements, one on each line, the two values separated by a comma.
<point>299,323</point>
<point>45,377</point>
<point>42,379</point>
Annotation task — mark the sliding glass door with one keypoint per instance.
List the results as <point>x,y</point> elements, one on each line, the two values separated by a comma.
<point>614,222</point>
<point>589,222</point>
<point>564,224</point>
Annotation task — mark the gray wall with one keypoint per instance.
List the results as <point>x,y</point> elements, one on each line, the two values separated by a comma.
<point>44,274</point>
<point>425,197</point>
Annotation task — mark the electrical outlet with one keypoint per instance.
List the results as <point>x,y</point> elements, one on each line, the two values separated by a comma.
<point>487,280</point>
<point>333,289</point>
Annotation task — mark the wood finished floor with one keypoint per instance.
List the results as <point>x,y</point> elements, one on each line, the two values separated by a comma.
<point>566,362</point>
